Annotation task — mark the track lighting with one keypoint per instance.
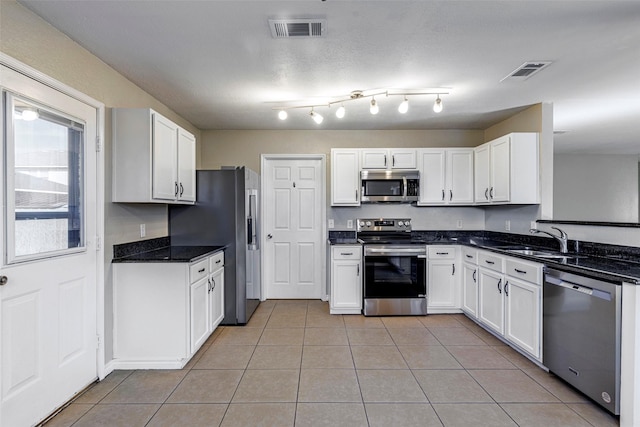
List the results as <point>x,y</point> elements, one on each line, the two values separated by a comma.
<point>316,116</point>
<point>374,109</point>
<point>437,105</point>
<point>404,106</point>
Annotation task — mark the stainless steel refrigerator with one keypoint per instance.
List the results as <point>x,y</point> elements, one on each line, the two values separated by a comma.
<point>226,213</point>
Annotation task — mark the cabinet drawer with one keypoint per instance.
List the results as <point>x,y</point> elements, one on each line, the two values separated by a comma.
<point>442,252</point>
<point>491,261</point>
<point>469,255</point>
<point>198,270</point>
<point>216,261</point>
<point>531,272</point>
<point>346,252</point>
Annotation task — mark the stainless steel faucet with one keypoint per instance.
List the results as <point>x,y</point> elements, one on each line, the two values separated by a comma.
<point>562,238</point>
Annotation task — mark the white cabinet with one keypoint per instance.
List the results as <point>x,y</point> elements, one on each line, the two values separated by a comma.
<point>507,170</point>
<point>470,281</point>
<point>523,316</point>
<point>164,311</point>
<point>154,160</point>
<point>509,292</point>
<point>345,177</point>
<point>446,176</point>
<point>216,290</point>
<point>443,285</point>
<point>346,279</point>
<point>387,158</point>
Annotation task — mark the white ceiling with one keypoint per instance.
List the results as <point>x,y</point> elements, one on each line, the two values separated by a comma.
<point>216,64</point>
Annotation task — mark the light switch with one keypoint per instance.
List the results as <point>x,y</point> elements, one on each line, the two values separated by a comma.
<point>331,223</point>
<point>143,230</point>
<point>349,223</point>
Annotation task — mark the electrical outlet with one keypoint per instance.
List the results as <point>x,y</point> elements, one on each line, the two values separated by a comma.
<point>349,223</point>
<point>534,225</point>
<point>507,225</point>
<point>143,230</point>
<point>459,223</point>
<point>331,223</point>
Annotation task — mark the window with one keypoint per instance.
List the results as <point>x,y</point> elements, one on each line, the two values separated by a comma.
<point>45,191</point>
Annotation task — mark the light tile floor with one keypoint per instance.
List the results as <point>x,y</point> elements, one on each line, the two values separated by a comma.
<point>295,364</point>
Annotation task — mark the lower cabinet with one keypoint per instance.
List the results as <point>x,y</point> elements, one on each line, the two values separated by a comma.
<point>164,312</point>
<point>346,279</point>
<point>509,294</point>
<point>443,288</point>
<point>470,281</point>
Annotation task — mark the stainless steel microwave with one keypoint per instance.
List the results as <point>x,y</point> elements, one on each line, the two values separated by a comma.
<point>401,186</point>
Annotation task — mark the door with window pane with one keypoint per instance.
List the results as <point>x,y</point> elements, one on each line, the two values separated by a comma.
<point>48,314</point>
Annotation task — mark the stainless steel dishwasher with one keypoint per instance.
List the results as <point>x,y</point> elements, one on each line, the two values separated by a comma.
<point>581,334</point>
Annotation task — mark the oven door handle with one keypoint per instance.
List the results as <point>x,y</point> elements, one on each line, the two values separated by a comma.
<point>403,251</point>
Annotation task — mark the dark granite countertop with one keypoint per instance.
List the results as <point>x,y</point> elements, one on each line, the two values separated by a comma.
<point>171,254</point>
<point>160,250</point>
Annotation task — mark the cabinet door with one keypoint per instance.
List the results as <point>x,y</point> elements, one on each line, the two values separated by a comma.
<point>345,178</point>
<point>216,298</point>
<point>186,166</point>
<point>490,294</point>
<point>199,318</point>
<point>460,176</point>
<point>442,284</point>
<point>402,159</point>
<point>481,173</point>
<point>500,170</point>
<point>375,159</point>
<point>470,289</point>
<point>522,315</point>
<point>432,176</point>
<point>164,164</point>
<point>346,285</point>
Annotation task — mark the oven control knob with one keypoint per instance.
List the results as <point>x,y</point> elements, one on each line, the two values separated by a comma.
<point>407,223</point>
<point>361,223</point>
<point>400,223</point>
<point>368,223</point>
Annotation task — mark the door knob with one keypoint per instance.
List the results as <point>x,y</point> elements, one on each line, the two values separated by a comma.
<point>269,236</point>
<point>3,280</point>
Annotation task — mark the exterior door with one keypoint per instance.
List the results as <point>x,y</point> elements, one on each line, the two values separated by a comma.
<point>48,255</point>
<point>293,191</point>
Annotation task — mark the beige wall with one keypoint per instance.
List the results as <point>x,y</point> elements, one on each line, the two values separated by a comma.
<point>244,147</point>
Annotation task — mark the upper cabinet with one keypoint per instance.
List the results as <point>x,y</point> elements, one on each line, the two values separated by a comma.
<point>446,176</point>
<point>382,158</point>
<point>345,177</point>
<point>507,170</point>
<point>154,160</point>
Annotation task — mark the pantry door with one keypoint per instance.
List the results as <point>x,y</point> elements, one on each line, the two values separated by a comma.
<point>49,257</point>
<point>293,230</point>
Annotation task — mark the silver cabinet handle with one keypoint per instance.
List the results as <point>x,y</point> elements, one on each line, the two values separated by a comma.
<point>201,270</point>
<point>3,280</point>
<point>181,190</point>
<point>450,195</point>
<point>468,256</point>
<point>358,270</point>
<point>453,269</point>
<point>218,261</point>
<point>506,288</point>
<point>442,253</point>
<point>474,276</point>
<point>486,193</point>
<point>499,288</point>
<point>519,271</point>
<point>491,193</point>
<point>489,262</point>
<point>443,194</point>
<point>385,160</point>
<point>346,253</point>
<point>209,285</point>
<point>176,188</point>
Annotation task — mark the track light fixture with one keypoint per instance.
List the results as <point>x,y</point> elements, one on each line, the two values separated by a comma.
<point>437,105</point>
<point>316,116</point>
<point>374,108</point>
<point>404,106</point>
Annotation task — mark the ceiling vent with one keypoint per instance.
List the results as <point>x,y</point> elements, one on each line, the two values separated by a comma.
<point>527,70</point>
<point>297,28</point>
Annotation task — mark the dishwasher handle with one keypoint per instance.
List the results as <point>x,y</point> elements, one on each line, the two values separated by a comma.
<point>578,288</point>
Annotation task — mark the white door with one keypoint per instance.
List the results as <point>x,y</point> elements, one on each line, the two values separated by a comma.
<point>186,166</point>
<point>500,170</point>
<point>470,289</point>
<point>432,176</point>
<point>490,298</point>
<point>48,339</point>
<point>293,227</point>
<point>165,163</point>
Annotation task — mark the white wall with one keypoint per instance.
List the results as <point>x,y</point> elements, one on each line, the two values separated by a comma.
<point>595,187</point>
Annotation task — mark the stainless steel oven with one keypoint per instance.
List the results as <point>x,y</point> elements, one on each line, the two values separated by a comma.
<point>395,268</point>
